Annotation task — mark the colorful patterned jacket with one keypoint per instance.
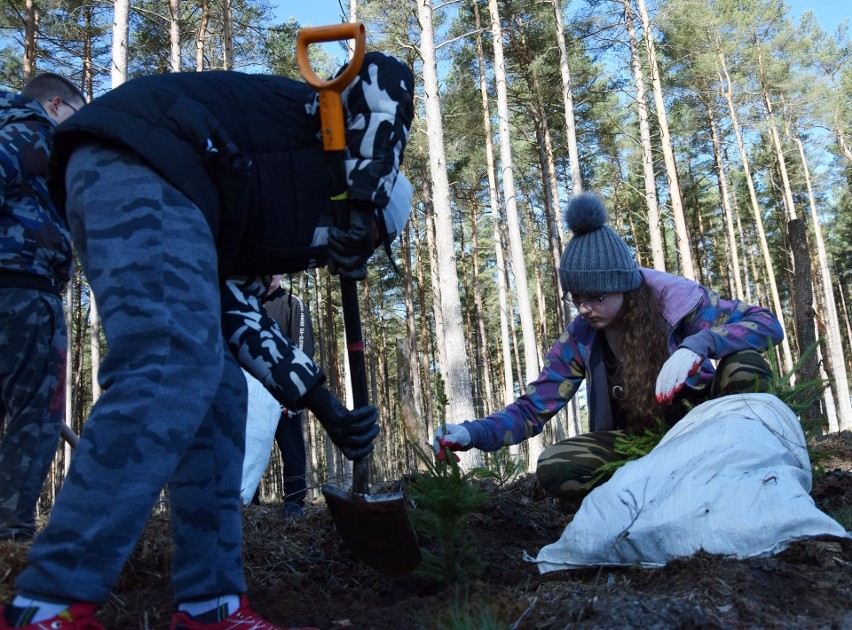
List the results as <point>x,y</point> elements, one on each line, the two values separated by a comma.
<point>696,318</point>
<point>35,246</point>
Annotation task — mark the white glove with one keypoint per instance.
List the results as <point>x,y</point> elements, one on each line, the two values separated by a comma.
<point>455,436</point>
<point>677,368</point>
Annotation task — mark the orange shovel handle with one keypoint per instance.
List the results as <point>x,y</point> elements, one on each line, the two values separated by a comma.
<point>331,107</point>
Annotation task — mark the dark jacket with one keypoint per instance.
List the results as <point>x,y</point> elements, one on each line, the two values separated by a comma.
<point>233,143</point>
<point>35,247</point>
<point>245,149</point>
<point>293,317</point>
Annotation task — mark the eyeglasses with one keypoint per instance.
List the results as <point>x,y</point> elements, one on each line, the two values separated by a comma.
<point>589,303</point>
<point>69,105</point>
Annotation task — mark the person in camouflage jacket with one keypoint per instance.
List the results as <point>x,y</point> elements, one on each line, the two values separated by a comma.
<point>35,263</point>
<point>645,342</point>
<point>183,191</point>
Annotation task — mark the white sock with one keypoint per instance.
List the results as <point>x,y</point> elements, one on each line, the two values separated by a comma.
<point>226,604</point>
<point>43,610</point>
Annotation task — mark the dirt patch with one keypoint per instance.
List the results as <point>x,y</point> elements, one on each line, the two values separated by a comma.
<point>299,572</point>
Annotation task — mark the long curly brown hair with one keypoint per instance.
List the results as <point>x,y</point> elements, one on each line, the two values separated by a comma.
<point>643,352</point>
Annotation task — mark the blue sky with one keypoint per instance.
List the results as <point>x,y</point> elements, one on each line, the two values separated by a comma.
<point>319,12</point>
<point>829,14</point>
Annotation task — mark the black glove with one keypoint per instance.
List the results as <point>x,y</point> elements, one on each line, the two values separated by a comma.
<point>351,431</point>
<point>350,249</point>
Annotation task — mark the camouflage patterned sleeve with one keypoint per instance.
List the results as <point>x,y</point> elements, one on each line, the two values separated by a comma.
<point>35,239</point>
<point>718,328</point>
<point>13,137</point>
<point>379,108</point>
<point>564,371</point>
<point>259,345</point>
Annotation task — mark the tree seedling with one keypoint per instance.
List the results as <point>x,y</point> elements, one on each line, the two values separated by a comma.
<point>444,496</point>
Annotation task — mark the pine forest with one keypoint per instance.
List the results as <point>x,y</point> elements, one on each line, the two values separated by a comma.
<point>718,132</point>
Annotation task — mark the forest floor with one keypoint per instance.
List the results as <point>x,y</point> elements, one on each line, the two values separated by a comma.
<point>300,573</point>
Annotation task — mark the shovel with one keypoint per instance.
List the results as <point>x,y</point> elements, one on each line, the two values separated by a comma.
<point>374,527</point>
<point>69,436</point>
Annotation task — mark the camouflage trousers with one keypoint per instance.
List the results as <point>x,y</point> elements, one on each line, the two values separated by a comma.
<point>32,401</point>
<point>569,469</point>
<point>173,408</point>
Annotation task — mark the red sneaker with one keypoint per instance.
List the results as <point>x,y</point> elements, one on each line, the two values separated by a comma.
<point>244,618</point>
<point>79,616</point>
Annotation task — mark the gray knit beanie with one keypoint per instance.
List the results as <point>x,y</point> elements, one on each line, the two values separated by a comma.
<point>595,260</point>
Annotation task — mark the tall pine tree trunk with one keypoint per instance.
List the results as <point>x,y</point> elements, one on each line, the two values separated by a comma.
<point>425,349</point>
<point>499,257</point>
<point>727,92</point>
<point>724,196</point>
<point>119,42</point>
<point>550,186</point>
<point>658,257</point>
<point>201,36</point>
<point>174,35</point>
<point>458,385</point>
<point>227,36</point>
<point>29,60</point>
<point>567,102</point>
<point>411,353</point>
<point>516,249</point>
<point>834,343</point>
<point>676,198</point>
<point>479,312</point>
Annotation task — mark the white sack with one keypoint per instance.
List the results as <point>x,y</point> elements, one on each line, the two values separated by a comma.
<point>261,422</point>
<point>731,478</point>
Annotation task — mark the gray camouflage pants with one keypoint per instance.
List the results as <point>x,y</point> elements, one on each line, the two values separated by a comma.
<point>32,401</point>
<point>174,403</point>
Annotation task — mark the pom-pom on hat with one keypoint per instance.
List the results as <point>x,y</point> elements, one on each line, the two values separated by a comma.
<point>596,259</point>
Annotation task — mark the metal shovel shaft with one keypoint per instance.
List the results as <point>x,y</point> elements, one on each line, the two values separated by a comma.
<point>375,528</point>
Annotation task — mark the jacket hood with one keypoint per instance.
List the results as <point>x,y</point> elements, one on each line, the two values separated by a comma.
<point>16,107</point>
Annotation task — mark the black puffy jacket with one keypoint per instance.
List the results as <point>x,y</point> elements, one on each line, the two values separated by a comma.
<point>245,148</point>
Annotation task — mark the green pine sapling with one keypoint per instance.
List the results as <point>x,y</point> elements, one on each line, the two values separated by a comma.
<point>444,495</point>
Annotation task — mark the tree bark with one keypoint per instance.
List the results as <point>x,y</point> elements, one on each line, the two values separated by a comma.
<point>658,257</point>
<point>479,313</point>
<point>458,385</point>
<point>730,233</point>
<point>119,42</point>
<point>833,342</point>
<point>227,36</point>
<point>681,228</point>
<point>174,35</point>
<point>545,157</point>
<point>567,102</point>
<point>411,353</point>
<point>29,60</point>
<point>201,36</point>
<point>424,353</point>
<point>499,257</point>
<point>780,160</point>
<point>803,312</point>
<point>434,277</point>
<point>727,92</point>
<point>516,250</point>
<point>844,147</point>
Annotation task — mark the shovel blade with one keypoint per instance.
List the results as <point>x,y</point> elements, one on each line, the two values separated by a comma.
<point>376,530</point>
